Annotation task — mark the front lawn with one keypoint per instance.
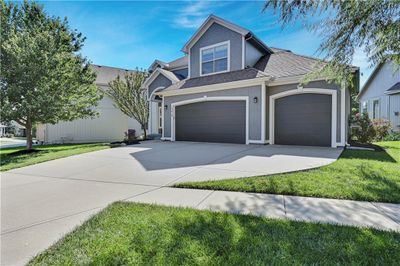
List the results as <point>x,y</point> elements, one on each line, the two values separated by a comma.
<point>139,234</point>
<point>11,158</point>
<point>356,175</point>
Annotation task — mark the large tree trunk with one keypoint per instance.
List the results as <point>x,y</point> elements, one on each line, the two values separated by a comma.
<point>144,133</point>
<point>28,135</point>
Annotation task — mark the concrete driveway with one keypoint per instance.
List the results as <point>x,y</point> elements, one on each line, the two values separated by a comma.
<point>42,202</point>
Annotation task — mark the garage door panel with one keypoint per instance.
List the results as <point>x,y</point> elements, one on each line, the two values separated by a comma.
<point>303,119</point>
<point>216,121</point>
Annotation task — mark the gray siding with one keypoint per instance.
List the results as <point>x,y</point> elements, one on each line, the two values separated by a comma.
<point>252,55</point>
<point>216,34</point>
<point>314,84</point>
<point>254,108</point>
<point>384,78</point>
<point>394,106</point>
<point>160,81</point>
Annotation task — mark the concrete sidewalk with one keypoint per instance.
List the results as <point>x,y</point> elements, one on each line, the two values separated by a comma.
<point>382,216</point>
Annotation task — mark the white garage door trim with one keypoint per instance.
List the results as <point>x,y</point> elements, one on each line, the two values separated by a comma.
<point>301,90</point>
<point>209,99</point>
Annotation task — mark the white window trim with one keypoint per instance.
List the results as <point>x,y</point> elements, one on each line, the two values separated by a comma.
<point>209,99</point>
<point>300,90</point>
<point>372,108</point>
<point>160,117</point>
<point>228,43</point>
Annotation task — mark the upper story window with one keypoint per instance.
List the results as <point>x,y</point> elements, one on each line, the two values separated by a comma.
<point>214,58</point>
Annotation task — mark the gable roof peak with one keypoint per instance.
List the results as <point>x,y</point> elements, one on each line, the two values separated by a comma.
<point>206,24</point>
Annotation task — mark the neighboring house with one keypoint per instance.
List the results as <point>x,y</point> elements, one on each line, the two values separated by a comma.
<point>380,96</point>
<point>12,128</point>
<point>110,125</point>
<point>231,87</point>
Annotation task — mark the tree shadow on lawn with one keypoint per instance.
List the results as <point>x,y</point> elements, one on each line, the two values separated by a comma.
<point>381,156</point>
<point>221,239</point>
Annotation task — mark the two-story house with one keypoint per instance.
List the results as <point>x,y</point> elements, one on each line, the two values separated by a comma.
<point>231,87</point>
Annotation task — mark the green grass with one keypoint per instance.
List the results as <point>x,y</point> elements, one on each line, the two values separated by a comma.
<point>139,234</point>
<point>357,175</point>
<point>8,160</point>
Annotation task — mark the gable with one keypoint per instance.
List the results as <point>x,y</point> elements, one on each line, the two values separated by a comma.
<point>217,34</point>
<point>204,27</point>
<point>159,81</point>
<point>381,79</point>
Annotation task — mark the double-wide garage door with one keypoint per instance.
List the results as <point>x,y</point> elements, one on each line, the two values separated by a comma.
<point>303,119</point>
<point>212,121</point>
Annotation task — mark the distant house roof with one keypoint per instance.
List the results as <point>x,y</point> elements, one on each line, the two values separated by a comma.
<point>394,89</point>
<point>106,74</point>
<point>370,78</point>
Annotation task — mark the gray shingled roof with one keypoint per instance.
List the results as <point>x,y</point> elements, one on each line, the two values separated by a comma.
<point>178,63</point>
<point>248,73</point>
<point>284,63</point>
<point>394,88</point>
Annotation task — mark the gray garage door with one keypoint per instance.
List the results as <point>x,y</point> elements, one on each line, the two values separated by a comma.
<point>303,119</point>
<point>214,121</point>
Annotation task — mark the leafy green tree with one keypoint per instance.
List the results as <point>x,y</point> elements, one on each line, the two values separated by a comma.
<point>130,97</point>
<point>43,77</point>
<point>371,25</point>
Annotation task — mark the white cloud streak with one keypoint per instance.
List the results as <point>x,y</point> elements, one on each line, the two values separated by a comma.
<point>193,15</point>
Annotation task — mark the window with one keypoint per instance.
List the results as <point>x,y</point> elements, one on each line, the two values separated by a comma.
<point>214,59</point>
<point>364,108</point>
<point>160,116</point>
<point>375,109</point>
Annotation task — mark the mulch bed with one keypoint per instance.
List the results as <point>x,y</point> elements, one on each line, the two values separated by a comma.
<point>366,145</point>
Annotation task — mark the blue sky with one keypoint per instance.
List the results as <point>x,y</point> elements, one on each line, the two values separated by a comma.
<point>131,34</point>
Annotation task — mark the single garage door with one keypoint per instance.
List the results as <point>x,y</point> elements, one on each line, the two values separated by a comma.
<point>303,119</point>
<point>214,121</point>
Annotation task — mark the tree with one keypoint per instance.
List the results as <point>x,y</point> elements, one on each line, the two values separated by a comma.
<point>130,97</point>
<point>370,25</point>
<point>43,78</point>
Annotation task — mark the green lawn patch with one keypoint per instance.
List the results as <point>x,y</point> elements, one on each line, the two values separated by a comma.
<point>11,158</point>
<point>140,234</point>
<point>356,175</point>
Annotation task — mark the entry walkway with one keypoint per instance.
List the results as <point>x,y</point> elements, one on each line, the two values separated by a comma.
<point>382,216</point>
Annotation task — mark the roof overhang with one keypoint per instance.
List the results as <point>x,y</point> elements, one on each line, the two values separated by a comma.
<point>206,24</point>
<point>216,87</point>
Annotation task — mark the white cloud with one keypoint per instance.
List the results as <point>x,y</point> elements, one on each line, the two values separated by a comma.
<point>192,15</point>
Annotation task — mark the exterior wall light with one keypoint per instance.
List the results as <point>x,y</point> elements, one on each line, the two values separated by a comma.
<point>255,100</point>
<point>165,107</point>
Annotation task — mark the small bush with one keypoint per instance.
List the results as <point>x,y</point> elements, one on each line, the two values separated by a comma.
<point>363,130</point>
<point>392,136</point>
<point>381,128</point>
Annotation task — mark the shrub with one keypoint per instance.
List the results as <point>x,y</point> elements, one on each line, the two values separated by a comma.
<point>363,130</point>
<point>392,136</point>
<point>381,127</point>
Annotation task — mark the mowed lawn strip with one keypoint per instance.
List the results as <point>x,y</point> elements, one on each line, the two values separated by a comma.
<point>10,160</point>
<point>139,234</point>
<point>356,175</point>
